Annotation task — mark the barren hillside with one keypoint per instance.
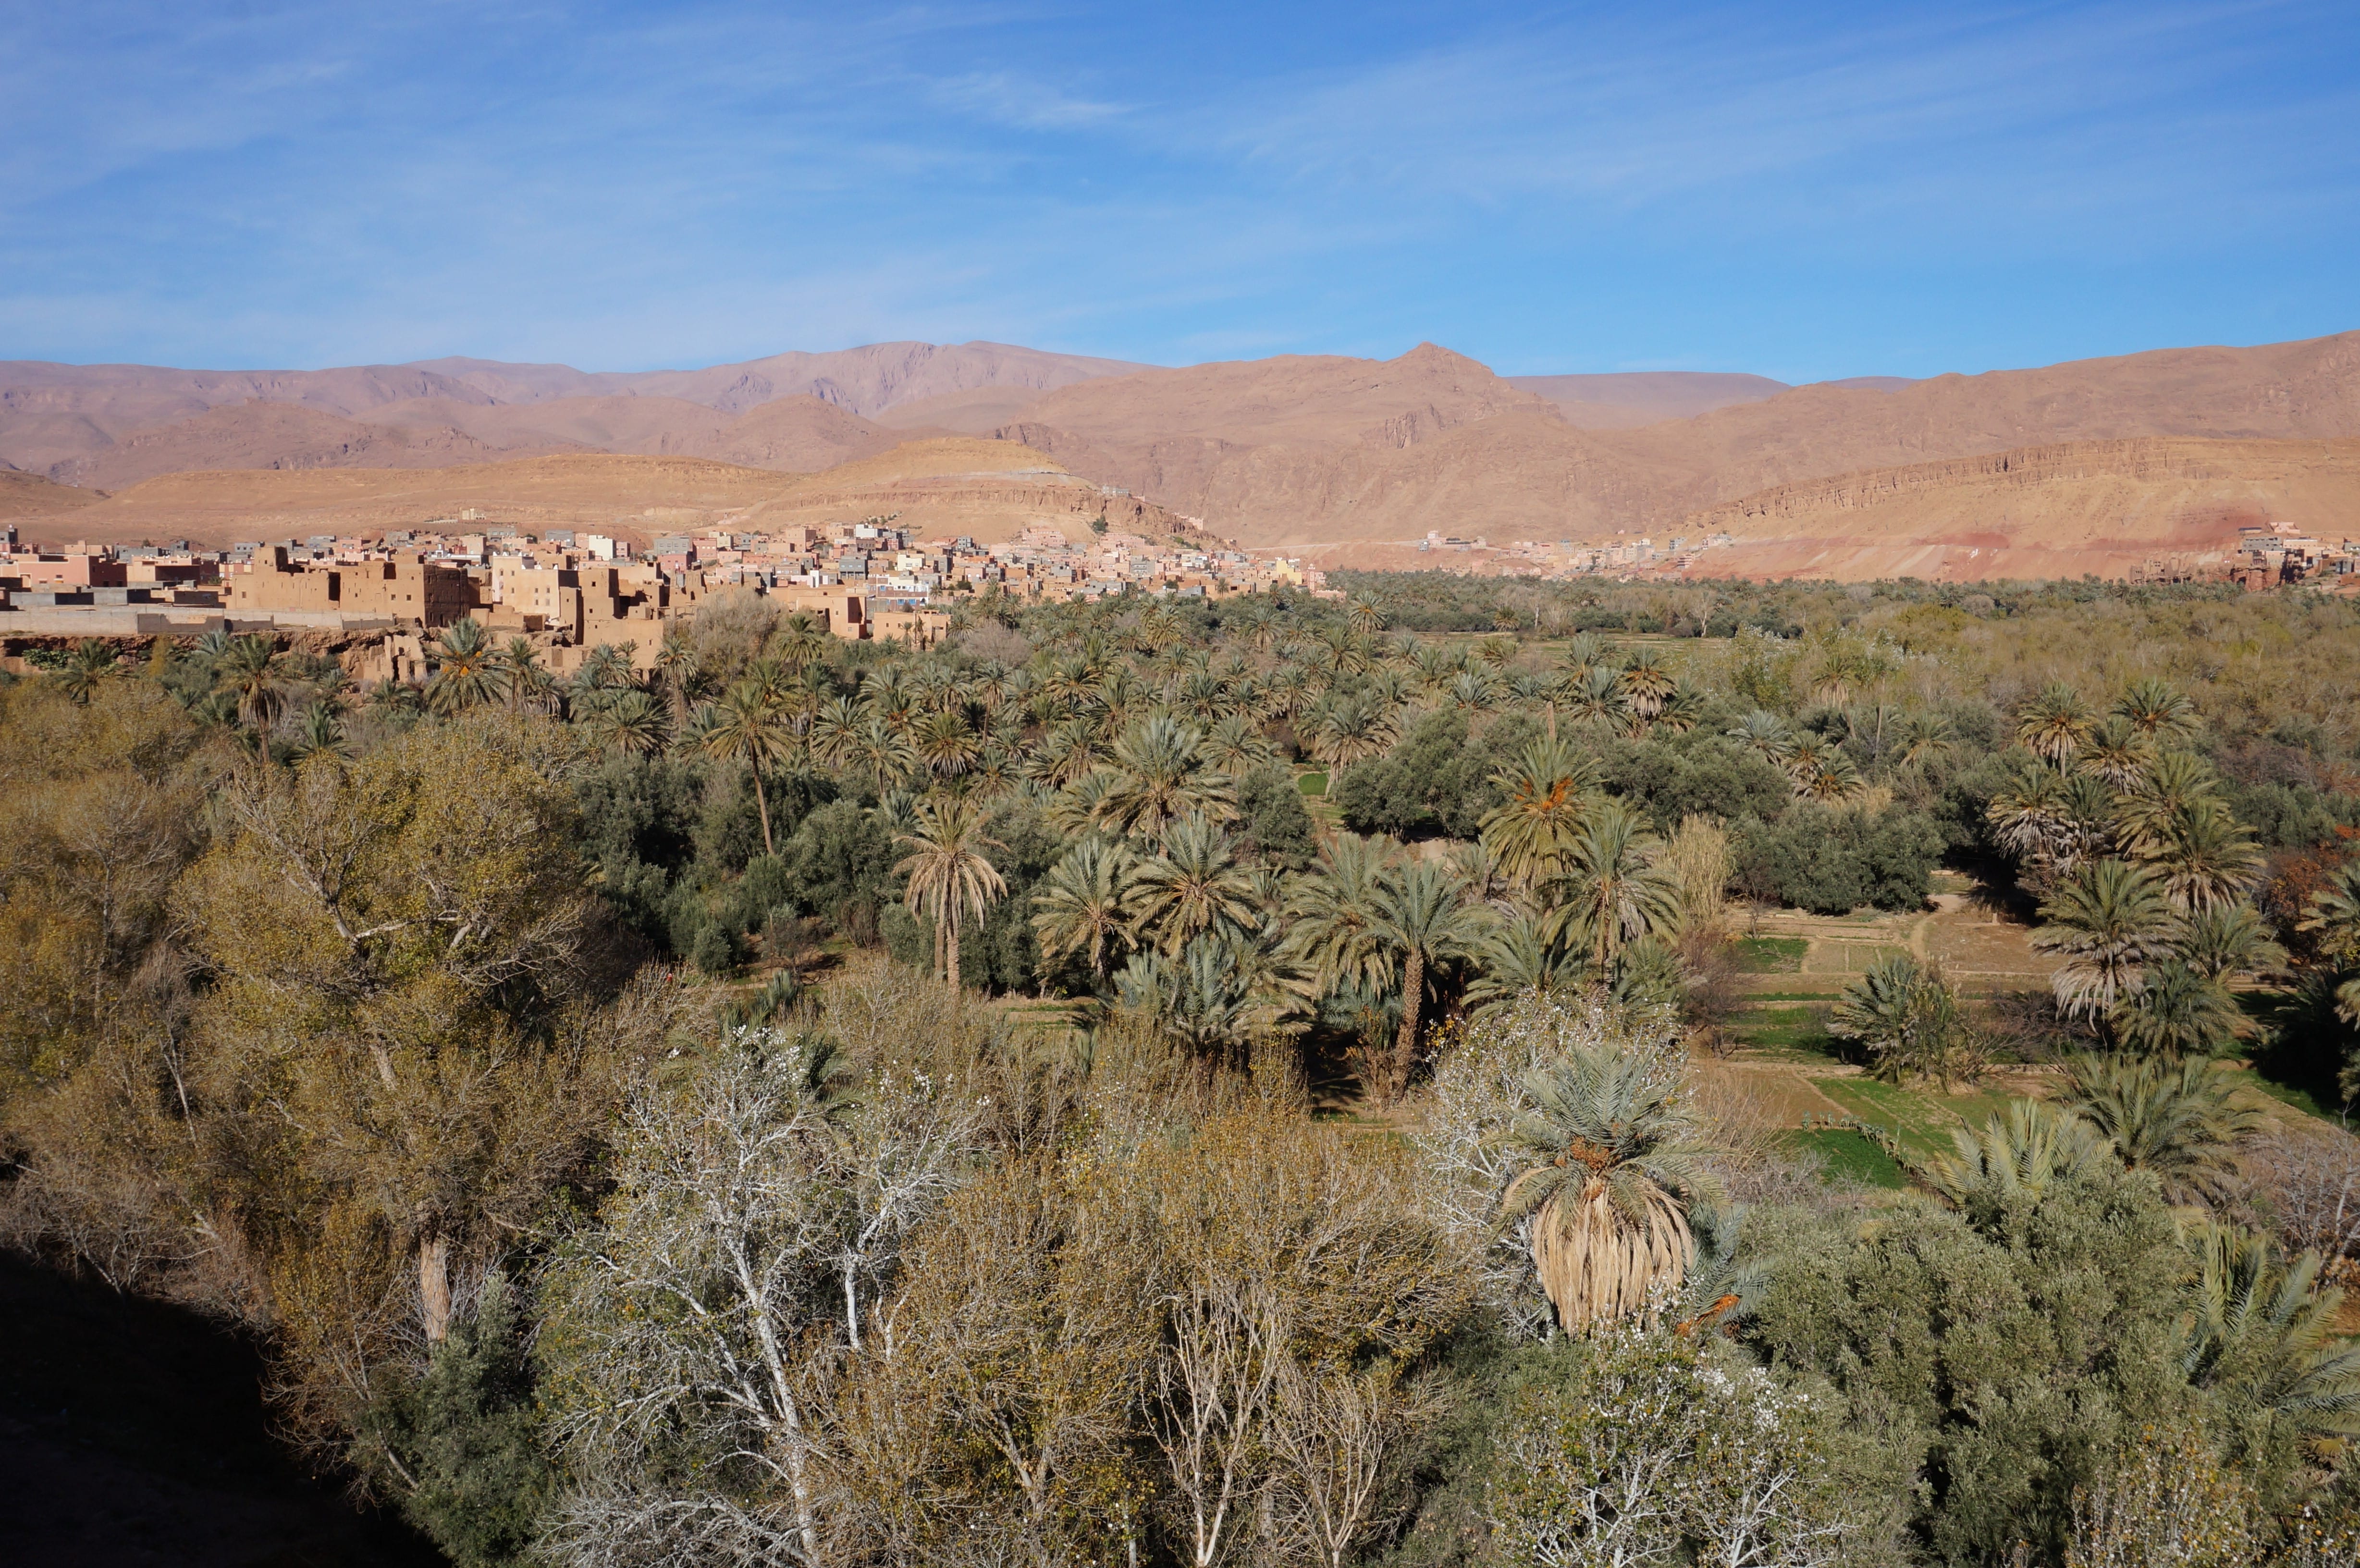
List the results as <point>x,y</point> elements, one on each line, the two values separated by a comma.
<point>54,413</point>
<point>2049,511</point>
<point>637,495</point>
<point>947,486</point>
<point>940,487</point>
<point>27,497</point>
<point>2274,392</point>
<point>1299,450</point>
<point>799,434</point>
<point>1629,399</point>
<point>281,436</point>
<point>1288,451</point>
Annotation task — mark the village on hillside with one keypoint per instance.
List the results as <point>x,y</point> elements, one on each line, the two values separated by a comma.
<point>577,590</point>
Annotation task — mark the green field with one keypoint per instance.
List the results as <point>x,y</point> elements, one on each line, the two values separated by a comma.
<point>1851,1155</point>
<point>1795,1033</point>
<point>1918,1122</point>
<point>1771,955</point>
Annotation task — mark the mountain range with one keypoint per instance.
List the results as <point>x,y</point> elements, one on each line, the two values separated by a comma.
<point>1350,459</point>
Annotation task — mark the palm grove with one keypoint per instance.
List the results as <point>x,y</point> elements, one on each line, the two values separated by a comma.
<point>518,1059</point>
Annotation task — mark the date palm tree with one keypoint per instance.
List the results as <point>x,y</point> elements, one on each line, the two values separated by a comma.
<point>2204,857</point>
<point>2156,709</point>
<point>2176,1011</point>
<point>522,674</point>
<point>321,729</point>
<point>607,668</point>
<point>1233,746</point>
<point>248,667</point>
<point>1351,727</point>
<point>1647,684</point>
<point>1681,712</point>
<point>1202,999</point>
<point>746,725</point>
<point>1432,667</point>
<point>2181,1120</point>
<point>945,744</point>
<point>800,642</point>
<point>1421,923</point>
<point>1823,771</point>
<point>1472,691</point>
<point>881,754</point>
<point>1923,738</point>
<point>2334,913</point>
<point>1905,1014</point>
<point>2262,1333</point>
<point>1068,750</point>
<point>1586,651</point>
<point>86,669</point>
<point>1159,774</point>
<point>629,721</point>
<point>1595,697</point>
<point>1548,791</point>
<point>1195,886</point>
<point>2230,941</point>
<point>676,667</point>
<point>1519,956</point>
<point>2028,815</point>
<point>2176,787</point>
<point>1613,892</point>
<point>2118,752</point>
<point>1772,738</point>
<point>950,878</point>
<point>469,674</point>
<point>2107,923</point>
<point>1086,902</point>
<point>2054,724</point>
<point>1366,616</point>
<point>1614,1167</point>
<point>2017,1154</point>
<point>1332,918</point>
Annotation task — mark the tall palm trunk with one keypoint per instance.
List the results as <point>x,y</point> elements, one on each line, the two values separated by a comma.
<point>762,804</point>
<point>1405,1042</point>
<point>951,948</point>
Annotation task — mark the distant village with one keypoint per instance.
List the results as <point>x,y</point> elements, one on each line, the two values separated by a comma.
<point>1569,558</point>
<point>2260,556</point>
<point>577,590</point>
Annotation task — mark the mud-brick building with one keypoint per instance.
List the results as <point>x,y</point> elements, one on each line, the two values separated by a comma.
<point>429,593</point>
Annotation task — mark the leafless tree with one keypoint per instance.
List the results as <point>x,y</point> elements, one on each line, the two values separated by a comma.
<point>2303,1182</point>
<point>1214,1385</point>
<point>759,1222</point>
<point>696,1310</point>
<point>1335,1431</point>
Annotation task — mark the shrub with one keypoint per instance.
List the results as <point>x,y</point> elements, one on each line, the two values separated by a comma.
<point>1832,860</point>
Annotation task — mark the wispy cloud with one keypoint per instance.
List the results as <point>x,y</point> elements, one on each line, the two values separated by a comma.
<point>1813,190</point>
<point>1031,106</point>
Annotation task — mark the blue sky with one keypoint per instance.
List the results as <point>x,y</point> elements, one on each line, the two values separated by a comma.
<point>1801,190</point>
